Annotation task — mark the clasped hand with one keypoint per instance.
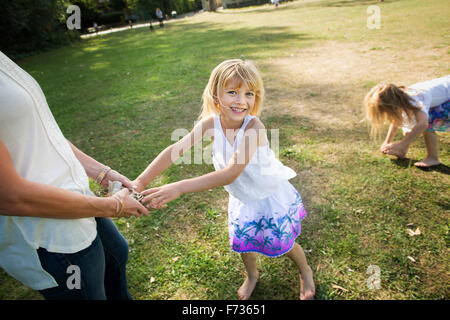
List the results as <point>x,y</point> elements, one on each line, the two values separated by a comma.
<point>131,207</point>
<point>157,198</point>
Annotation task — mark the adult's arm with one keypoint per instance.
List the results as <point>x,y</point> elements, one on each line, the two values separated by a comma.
<point>21,197</point>
<point>93,169</point>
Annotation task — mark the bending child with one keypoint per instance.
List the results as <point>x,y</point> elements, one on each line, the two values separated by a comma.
<point>422,108</point>
<point>264,209</point>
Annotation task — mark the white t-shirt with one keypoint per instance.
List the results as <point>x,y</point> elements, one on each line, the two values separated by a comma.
<point>428,94</point>
<point>40,153</point>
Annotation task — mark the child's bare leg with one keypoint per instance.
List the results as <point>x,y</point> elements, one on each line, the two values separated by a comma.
<point>245,291</point>
<point>307,288</point>
<point>432,144</point>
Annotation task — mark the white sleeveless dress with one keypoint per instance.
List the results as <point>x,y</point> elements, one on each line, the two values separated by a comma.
<point>264,209</point>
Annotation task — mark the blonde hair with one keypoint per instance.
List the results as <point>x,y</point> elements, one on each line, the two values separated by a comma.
<point>234,69</point>
<point>387,103</point>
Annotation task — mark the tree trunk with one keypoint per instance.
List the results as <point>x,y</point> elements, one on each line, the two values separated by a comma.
<point>212,5</point>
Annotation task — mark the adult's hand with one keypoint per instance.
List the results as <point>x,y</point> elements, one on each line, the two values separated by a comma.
<point>113,175</point>
<point>131,207</point>
<point>21,197</point>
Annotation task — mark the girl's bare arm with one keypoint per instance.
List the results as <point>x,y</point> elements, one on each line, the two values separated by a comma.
<point>418,129</point>
<point>173,152</point>
<point>391,134</point>
<point>253,137</point>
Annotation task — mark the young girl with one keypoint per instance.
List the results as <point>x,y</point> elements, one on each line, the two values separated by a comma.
<point>264,209</point>
<point>420,108</point>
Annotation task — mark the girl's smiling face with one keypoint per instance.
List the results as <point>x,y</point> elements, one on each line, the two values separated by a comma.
<point>236,100</point>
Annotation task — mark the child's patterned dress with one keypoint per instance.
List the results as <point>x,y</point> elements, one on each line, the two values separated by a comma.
<point>433,98</point>
<point>438,118</point>
<point>264,209</point>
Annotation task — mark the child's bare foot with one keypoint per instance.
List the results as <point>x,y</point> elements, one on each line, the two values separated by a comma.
<point>427,162</point>
<point>245,291</point>
<point>395,149</point>
<point>307,288</point>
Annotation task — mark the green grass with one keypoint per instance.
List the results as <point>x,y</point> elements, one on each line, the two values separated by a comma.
<point>119,97</point>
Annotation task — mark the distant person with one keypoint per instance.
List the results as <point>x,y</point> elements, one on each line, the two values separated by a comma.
<point>276,2</point>
<point>421,108</point>
<point>95,25</point>
<point>160,16</point>
<point>151,25</point>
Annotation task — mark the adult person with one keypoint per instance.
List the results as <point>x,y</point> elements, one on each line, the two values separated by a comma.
<point>160,16</point>
<point>49,218</point>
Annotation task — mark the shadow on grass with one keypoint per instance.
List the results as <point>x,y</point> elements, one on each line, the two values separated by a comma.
<point>407,163</point>
<point>183,39</point>
<point>404,162</point>
<point>299,4</point>
<point>140,65</point>
<point>347,3</point>
<point>350,3</point>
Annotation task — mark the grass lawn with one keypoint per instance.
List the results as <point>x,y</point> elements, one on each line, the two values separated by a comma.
<point>119,97</point>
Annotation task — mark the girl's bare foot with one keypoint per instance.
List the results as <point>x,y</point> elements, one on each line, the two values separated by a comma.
<point>427,162</point>
<point>245,291</point>
<point>395,149</point>
<point>307,288</point>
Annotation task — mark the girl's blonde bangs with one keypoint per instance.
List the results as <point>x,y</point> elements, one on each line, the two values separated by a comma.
<point>232,70</point>
<point>240,75</point>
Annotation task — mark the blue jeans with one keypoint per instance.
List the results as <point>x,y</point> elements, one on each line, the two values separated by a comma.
<point>102,267</point>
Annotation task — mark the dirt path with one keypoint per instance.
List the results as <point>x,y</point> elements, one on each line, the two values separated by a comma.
<point>336,76</point>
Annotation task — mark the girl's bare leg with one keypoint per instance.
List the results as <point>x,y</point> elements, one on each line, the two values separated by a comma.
<point>307,288</point>
<point>432,144</point>
<point>245,291</point>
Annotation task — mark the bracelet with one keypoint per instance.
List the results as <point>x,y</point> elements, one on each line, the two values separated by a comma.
<point>117,207</point>
<point>102,174</point>
<point>118,213</point>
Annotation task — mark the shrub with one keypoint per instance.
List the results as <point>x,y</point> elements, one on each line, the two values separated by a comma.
<point>111,17</point>
<point>33,25</point>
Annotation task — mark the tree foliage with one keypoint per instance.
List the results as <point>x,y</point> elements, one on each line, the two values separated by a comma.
<point>33,25</point>
<point>146,8</point>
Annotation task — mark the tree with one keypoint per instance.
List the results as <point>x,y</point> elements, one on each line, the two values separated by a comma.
<point>33,25</point>
<point>212,5</point>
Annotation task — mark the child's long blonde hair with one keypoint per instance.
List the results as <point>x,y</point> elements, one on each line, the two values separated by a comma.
<point>234,69</point>
<point>387,103</point>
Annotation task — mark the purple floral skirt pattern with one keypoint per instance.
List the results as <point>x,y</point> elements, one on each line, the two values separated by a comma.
<point>270,233</point>
<point>438,119</point>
